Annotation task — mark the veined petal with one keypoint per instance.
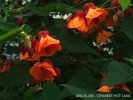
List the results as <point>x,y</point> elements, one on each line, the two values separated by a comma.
<point>46,65</point>
<point>110,22</point>
<point>123,86</point>
<point>84,28</point>
<point>50,41</point>
<point>102,37</point>
<point>23,57</point>
<point>94,13</point>
<point>43,71</point>
<point>75,22</point>
<point>40,44</point>
<point>105,89</point>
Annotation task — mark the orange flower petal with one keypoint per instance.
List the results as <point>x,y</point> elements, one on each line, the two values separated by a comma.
<point>123,86</point>
<point>40,44</point>
<point>102,37</point>
<point>126,89</point>
<point>105,89</point>
<point>27,58</point>
<point>50,41</point>
<point>110,22</point>
<point>5,68</point>
<point>75,22</point>
<point>94,13</point>
<point>43,71</point>
<point>47,46</point>
<point>47,65</point>
<point>23,57</point>
<point>84,28</point>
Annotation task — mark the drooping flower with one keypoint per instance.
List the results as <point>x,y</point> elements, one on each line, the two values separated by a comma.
<point>26,57</point>
<point>5,66</point>
<point>78,22</point>
<point>43,71</point>
<point>103,36</point>
<point>109,88</point>
<point>47,45</point>
<point>94,14</point>
<point>28,54</point>
<point>105,89</point>
<point>109,22</point>
<point>122,86</point>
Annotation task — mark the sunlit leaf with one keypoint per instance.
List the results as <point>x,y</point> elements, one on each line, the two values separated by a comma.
<point>124,3</point>
<point>11,34</point>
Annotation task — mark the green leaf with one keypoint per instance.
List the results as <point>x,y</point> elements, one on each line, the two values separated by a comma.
<point>6,26</point>
<point>82,79</point>
<point>17,75</point>
<point>75,90</point>
<point>118,73</point>
<point>39,96</point>
<point>130,60</point>
<point>11,34</point>
<point>49,92</point>
<point>81,93</point>
<point>54,7</point>
<point>124,3</point>
<point>68,39</point>
<point>126,26</point>
<point>2,1</point>
<point>29,93</point>
<point>62,60</point>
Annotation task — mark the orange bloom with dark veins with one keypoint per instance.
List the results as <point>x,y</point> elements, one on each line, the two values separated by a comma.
<point>103,36</point>
<point>28,54</point>
<point>26,57</point>
<point>105,89</point>
<point>109,88</point>
<point>6,66</point>
<point>47,45</point>
<point>43,71</point>
<point>109,22</point>
<point>94,15</point>
<point>78,22</point>
<point>123,86</point>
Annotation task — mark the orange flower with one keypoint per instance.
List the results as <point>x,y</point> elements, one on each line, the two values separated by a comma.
<point>47,45</point>
<point>105,89</point>
<point>34,57</point>
<point>43,71</point>
<point>123,86</point>
<point>78,22</point>
<point>94,14</point>
<point>28,54</point>
<point>109,88</point>
<point>103,36</point>
<point>6,66</point>
<point>110,22</point>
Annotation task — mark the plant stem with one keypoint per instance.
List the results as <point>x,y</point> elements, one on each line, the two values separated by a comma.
<point>105,3</point>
